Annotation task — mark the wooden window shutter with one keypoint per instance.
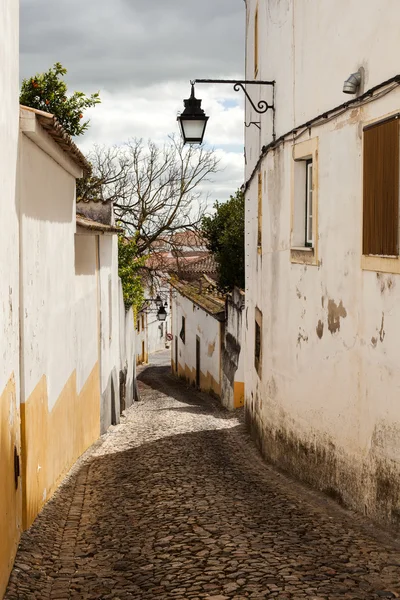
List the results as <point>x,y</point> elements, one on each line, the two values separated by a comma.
<point>381,188</point>
<point>259,211</point>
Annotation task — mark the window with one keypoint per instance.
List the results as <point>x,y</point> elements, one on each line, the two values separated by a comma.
<point>258,342</point>
<point>142,321</point>
<point>308,230</point>
<point>381,188</point>
<point>183,328</point>
<point>138,325</point>
<point>256,43</point>
<point>161,330</point>
<point>259,212</point>
<point>304,213</point>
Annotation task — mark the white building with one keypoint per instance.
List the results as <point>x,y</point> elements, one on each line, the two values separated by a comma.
<point>207,340</point>
<point>67,343</point>
<point>322,264</point>
<point>10,496</point>
<point>197,329</point>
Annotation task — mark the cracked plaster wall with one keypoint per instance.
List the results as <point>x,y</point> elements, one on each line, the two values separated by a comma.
<point>327,407</point>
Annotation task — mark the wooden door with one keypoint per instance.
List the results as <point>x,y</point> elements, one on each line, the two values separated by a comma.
<point>197,361</point>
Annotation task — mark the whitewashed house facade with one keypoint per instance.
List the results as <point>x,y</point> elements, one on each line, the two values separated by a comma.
<point>322,370</point>
<point>10,444</point>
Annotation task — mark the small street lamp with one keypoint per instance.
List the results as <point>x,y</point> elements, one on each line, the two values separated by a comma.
<point>158,301</point>
<point>193,120</point>
<point>162,314</point>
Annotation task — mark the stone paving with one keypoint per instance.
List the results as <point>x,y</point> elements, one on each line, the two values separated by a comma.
<point>176,503</point>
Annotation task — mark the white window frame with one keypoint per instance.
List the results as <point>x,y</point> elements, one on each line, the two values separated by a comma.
<point>304,203</point>
<point>309,238</point>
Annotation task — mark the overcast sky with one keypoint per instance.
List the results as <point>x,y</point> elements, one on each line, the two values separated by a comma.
<point>141,55</point>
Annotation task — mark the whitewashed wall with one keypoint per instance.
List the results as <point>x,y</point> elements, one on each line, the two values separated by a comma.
<point>47,198</point>
<point>326,406</point>
<point>157,334</point>
<point>310,49</point>
<point>233,351</point>
<point>86,335</point>
<point>10,499</point>
<point>127,341</point>
<point>110,331</point>
<point>208,329</point>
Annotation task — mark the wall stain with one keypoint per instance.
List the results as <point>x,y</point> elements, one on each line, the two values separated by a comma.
<point>385,282</point>
<point>335,313</point>
<point>382,332</point>
<point>211,349</point>
<point>320,329</point>
<point>302,337</point>
<point>298,293</point>
<point>374,341</point>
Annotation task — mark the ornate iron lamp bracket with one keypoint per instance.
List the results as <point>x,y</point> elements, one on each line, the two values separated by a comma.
<point>240,84</point>
<point>261,107</point>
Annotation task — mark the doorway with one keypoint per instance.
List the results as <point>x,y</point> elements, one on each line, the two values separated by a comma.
<point>197,361</point>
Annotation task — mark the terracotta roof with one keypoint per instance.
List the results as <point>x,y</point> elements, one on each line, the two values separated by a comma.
<point>61,137</point>
<point>214,305</point>
<point>188,238</point>
<point>96,226</point>
<point>167,262</point>
<point>206,265</point>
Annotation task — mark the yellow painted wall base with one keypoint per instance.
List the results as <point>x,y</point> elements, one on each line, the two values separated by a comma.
<point>10,498</point>
<point>53,441</point>
<point>238,394</point>
<point>207,382</point>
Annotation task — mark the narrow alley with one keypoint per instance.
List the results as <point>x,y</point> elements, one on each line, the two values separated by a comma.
<point>175,502</point>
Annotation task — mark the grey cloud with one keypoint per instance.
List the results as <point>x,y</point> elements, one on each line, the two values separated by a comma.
<point>124,43</point>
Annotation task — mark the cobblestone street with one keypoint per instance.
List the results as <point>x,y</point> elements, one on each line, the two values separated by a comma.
<point>175,502</point>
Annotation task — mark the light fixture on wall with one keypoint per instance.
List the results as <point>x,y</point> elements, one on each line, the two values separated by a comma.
<point>193,120</point>
<point>352,83</point>
<point>162,314</point>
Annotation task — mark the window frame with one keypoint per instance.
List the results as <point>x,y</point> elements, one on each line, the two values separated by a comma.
<point>182,333</point>
<point>308,234</point>
<point>258,321</point>
<point>306,153</point>
<point>259,211</point>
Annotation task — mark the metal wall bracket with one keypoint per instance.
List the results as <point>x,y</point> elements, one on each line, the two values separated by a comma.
<point>240,84</point>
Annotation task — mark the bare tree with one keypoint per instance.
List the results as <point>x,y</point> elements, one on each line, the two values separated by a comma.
<point>155,189</point>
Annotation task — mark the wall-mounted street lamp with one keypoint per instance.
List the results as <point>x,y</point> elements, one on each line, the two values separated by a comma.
<point>162,314</point>
<point>193,120</point>
<point>161,307</point>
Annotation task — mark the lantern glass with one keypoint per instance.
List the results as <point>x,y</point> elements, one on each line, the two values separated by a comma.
<point>162,314</point>
<point>192,129</point>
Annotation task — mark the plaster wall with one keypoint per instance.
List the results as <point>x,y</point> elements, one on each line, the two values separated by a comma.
<point>326,405</point>
<point>10,497</point>
<point>142,348</point>
<point>157,331</point>
<point>128,334</point>
<point>109,331</point>
<point>233,352</point>
<point>197,323</point>
<point>310,49</point>
<point>60,413</point>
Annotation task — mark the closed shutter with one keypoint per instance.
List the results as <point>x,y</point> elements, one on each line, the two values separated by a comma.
<point>259,211</point>
<point>381,188</point>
